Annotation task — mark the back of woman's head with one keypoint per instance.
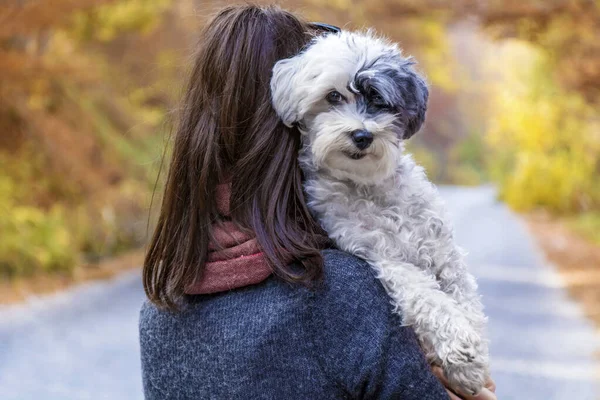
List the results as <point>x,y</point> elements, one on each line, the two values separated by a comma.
<point>228,130</point>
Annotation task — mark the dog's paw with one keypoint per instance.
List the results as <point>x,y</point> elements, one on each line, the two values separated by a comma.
<point>468,378</point>
<point>465,363</point>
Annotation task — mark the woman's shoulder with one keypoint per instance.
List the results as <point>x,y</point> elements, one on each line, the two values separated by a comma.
<point>345,265</point>
<point>348,280</point>
<point>351,301</point>
<point>347,283</point>
<point>344,275</point>
<point>349,276</point>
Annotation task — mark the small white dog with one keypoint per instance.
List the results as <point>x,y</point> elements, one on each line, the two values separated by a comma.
<point>355,99</point>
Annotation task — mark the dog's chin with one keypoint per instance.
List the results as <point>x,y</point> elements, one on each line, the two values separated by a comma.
<point>361,167</point>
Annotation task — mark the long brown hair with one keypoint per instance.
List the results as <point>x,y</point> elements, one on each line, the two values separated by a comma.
<point>227,128</point>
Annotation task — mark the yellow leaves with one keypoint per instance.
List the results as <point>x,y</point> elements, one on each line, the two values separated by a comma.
<point>426,159</point>
<point>107,21</point>
<point>435,54</point>
<point>588,225</point>
<point>545,139</point>
<point>89,136</point>
<point>339,5</point>
<point>27,216</point>
<point>38,96</point>
<point>428,38</point>
<point>540,179</point>
<point>138,99</point>
<point>54,239</point>
<point>32,239</point>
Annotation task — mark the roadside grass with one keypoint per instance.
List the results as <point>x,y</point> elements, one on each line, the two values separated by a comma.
<point>587,224</point>
<point>23,288</point>
<point>571,244</point>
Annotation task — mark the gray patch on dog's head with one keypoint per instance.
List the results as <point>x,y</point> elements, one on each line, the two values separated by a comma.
<point>404,91</point>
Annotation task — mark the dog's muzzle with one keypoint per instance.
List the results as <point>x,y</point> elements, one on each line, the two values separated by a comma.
<point>362,139</point>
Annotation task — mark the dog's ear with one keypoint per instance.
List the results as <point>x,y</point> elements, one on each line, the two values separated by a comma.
<point>282,90</point>
<point>414,92</point>
<point>420,93</point>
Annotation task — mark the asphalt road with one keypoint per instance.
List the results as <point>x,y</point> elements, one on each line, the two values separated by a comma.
<point>82,344</point>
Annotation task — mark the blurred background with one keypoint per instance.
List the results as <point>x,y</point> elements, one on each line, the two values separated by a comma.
<point>88,89</point>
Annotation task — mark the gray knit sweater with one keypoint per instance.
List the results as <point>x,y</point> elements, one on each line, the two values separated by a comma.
<point>279,341</point>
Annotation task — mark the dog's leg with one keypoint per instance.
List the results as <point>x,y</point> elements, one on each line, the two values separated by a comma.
<point>449,338</point>
<point>455,279</point>
<point>446,261</point>
<point>424,213</point>
<point>460,285</point>
<point>440,255</point>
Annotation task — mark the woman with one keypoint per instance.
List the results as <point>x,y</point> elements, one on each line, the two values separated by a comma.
<point>244,300</point>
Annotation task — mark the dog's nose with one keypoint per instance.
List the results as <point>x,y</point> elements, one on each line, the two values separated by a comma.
<point>362,139</point>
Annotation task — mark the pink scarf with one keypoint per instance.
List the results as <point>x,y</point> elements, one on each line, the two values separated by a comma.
<point>236,261</point>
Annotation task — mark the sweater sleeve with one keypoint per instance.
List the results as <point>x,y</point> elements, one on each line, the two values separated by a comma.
<point>361,344</point>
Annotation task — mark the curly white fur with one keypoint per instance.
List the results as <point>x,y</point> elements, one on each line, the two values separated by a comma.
<point>376,202</point>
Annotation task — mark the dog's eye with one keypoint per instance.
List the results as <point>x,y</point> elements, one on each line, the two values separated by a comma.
<point>378,100</point>
<point>334,97</point>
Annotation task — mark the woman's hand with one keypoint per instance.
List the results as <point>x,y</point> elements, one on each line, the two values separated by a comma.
<point>488,392</point>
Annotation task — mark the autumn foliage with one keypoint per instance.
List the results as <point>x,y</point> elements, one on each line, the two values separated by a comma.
<point>78,130</point>
<point>87,88</point>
